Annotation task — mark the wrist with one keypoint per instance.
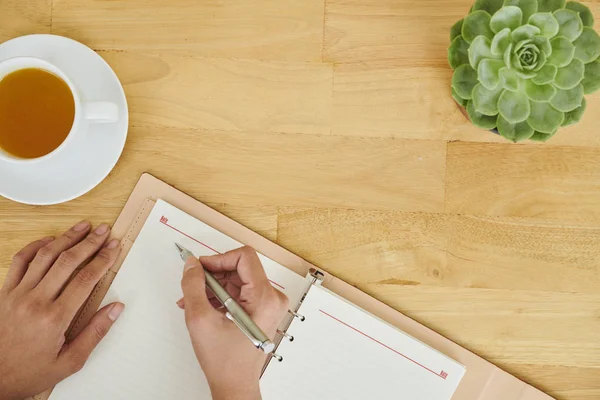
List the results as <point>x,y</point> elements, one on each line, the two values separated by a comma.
<point>236,391</point>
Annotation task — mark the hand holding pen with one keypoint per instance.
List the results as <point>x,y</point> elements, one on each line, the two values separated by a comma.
<point>223,351</point>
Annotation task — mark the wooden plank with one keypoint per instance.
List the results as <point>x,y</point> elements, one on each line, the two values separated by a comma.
<point>411,31</point>
<point>523,181</point>
<point>368,246</point>
<point>245,168</point>
<point>522,254</point>
<point>391,99</point>
<point>260,29</point>
<point>172,89</point>
<point>414,249</point>
<point>18,17</point>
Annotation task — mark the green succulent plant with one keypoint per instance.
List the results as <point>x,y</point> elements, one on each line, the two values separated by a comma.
<point>522,67</point>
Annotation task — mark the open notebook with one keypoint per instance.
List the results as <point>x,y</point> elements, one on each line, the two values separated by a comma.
<point>339,351</point>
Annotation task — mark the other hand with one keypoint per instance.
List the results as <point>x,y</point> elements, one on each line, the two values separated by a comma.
<point>231,363</point>
<point>38,302</point>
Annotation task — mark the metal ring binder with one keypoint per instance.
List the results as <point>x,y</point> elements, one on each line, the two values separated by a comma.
<point>286,335</point>
<point>314,277</point>
<point>296,315</point>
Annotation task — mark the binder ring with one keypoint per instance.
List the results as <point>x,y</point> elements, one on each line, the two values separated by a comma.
<point>302,318</point>
<point>277,357</point>
<point>286,335</point>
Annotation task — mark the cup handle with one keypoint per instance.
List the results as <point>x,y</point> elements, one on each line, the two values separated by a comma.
<point>101,112</point>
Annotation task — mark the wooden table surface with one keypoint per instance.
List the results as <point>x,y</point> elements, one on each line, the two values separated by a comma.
<point>328,127</point>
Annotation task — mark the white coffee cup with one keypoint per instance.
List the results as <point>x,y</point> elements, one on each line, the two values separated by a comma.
<point>86,113</point>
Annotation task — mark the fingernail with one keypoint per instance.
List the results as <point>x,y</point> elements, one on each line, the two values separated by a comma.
<point>82,226</point>
<point>191,262</point>
<point>112,244</point>
<point>101,229</point>
<point>115,311</point>
<point>48,239</point>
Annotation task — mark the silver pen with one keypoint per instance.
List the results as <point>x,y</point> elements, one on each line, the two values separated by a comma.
<point>235,312</point>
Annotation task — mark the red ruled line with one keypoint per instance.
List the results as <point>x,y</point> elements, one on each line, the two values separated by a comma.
<point>207,246</point>
<point>442,375</point>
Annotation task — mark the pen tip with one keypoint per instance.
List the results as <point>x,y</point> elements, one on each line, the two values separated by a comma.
<point>179,247</point>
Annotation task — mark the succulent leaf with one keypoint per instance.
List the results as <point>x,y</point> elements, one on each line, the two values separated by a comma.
<point>543,44</point>
<point>524,32</point>
<point>574,116</point>
<point>507,55</point>
<point>480,49</point>
<point>464,80</point>
<point>544,118</point>
<point>587,45</point>
<point>570,76</point>
<point>500,42</point>
<point>541,137</point>
<point>562,51</point>
<point>529,7</point>
<point>550,5</point>
<point>479,119</point>
<point>475,24</point>
<point>490,6</point>
<point>485,101</point>
<point>459,99</point>
<point>545,75</point>
<point>570,23</point>
<point>568,100</point>
<point>513,106</point>
<point>509,79</point>
<point>584,12</point>
<point>591,80</point>
<point>458,52</point>
<point>456,30</point>
<point>546,22</point>
<point>514,132</point>
<point>507,17</point>
<point>489,72</point>
<point>539,92</point>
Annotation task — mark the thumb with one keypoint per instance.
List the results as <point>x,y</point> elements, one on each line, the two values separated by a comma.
<point>75,354</point>
<point>193,284</point>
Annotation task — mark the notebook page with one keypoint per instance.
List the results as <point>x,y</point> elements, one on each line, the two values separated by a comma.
<point>342,352</point>
<point>147,354</point>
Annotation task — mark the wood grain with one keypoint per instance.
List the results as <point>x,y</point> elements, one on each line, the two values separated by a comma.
<point>413,249</point>
<point>328,126</point>
<point>260,29</point>
<point>175,89</point>
<point>243,168</point>
<point>19,17</point>
<point>523,181</point>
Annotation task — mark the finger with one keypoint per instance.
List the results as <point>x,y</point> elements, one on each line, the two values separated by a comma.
<point>60,272</point>
<point>74,354</point>
<point>48,254</point>
<point>193,283</point>
<point>244,260</point>
<point>21,261</point>
<point>82,284</point>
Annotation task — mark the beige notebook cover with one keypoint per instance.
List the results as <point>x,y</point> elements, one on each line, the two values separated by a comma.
<point>482,381</point>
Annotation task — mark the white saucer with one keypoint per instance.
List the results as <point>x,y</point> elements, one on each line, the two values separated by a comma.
<point>72,174</point>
